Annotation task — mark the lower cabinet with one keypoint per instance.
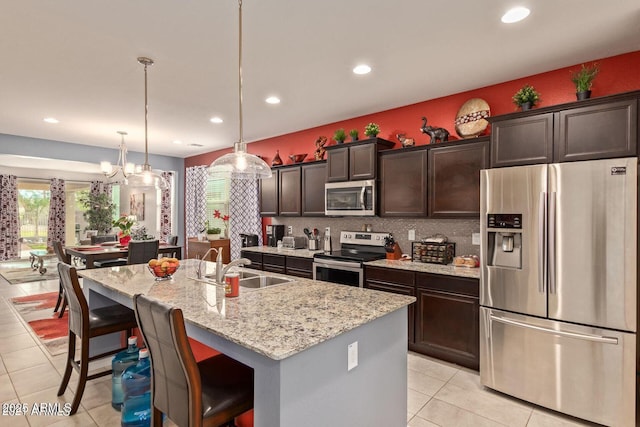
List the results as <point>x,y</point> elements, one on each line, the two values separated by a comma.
<point>448,319</point>
<point>444,321</point>
<point>274,263</point>
<point>299,267</point>
<point>255,257</point>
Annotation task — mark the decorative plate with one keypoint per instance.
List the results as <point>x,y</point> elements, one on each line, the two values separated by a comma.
<point>471,118</point>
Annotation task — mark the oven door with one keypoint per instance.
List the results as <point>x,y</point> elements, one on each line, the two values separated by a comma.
<point>351,198</point>
<point>341,272</point>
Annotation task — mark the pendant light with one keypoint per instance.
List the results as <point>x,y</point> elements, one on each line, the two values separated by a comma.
<point>123,167</point>
<point>146,177</point>
<point>240,164</point>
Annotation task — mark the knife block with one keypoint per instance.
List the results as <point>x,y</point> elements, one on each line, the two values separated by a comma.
<point>394,253</point>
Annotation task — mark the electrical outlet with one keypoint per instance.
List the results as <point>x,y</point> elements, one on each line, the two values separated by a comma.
<point>327,231</point>
<point>412,234</point>
<point>290,230</point>
<point>475,238</point>
<point>352,355</point>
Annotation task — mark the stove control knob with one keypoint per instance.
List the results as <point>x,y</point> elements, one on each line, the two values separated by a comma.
<point>347,236</point>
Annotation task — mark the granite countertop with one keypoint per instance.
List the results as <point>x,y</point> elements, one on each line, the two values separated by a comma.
<point>448,270</point>
<point>277,321</point>
<point>303,253</point>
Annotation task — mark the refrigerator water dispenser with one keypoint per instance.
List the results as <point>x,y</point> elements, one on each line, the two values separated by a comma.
<point>505,240</point>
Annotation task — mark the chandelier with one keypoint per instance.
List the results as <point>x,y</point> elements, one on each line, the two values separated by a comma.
<point>122,168</point>
<point>240,164</point>
<point>144,176</point>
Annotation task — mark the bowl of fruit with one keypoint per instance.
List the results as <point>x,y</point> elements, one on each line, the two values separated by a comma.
<point>163,268</point>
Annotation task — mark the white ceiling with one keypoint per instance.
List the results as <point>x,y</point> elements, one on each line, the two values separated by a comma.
<point>76,61</point>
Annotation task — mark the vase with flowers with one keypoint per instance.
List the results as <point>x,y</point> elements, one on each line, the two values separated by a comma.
<point>124,223</point>
<point>225,222</point>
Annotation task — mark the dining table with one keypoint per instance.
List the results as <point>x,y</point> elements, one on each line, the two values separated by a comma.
<point>108,250</point>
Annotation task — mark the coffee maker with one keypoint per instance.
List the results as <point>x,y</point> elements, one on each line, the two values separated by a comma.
<point>274,233</point>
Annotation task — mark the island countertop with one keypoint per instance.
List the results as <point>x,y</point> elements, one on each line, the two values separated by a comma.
<point>277,321</point>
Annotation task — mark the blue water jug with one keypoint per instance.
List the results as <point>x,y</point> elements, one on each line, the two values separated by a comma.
<point>136,385</point>
<point>119,363</point>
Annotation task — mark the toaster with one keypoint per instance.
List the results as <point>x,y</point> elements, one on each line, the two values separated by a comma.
<point>294,242</point>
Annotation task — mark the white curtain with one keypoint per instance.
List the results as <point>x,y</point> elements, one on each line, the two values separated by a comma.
<point>9,228</point>
<point>195,199</point>
<point>244,213</point>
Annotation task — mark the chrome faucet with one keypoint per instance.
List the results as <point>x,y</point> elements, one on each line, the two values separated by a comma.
<point>204,257</point>
<point>222,271</point>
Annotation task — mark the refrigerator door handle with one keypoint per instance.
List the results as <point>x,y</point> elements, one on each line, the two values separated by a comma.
<point>552,242</point>
<point>542,244</point>
<point>586,337</point>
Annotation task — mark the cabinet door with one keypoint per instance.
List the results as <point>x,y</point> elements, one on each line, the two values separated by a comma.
<point>447,318</point>
<point>394,281</point>
<point>313,179</point>
<point>522,141</point>
<point>255,257</point>
<point>454,179</point>
<point>363,161</point>
<point>300,267</point>
<point>273,263</point>
<point>289,192</point>
<point>403,184</point>
<point>269,195</point>
<point>598,131</point>
<point>338,164</point>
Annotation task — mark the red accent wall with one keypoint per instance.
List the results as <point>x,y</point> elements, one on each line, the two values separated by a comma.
<point>617,74</point>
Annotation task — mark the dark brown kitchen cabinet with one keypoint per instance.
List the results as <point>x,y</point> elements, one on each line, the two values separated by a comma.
<point>522,140</point>
<point>269,195</point>
<point>313,179</point>
<point>273,263</point>
<point>598,131</point>
<point>254,257</point>
<point>454,178</point>
<point>355,160</point>
<point>403,183</point>
<point>447,318</point>
<point>299,266</point>
<point>394,281</point>
<point>289,191</point>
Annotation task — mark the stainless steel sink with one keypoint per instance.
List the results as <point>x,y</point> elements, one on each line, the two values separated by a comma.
<point>262,281</point>
<point>243,275</point>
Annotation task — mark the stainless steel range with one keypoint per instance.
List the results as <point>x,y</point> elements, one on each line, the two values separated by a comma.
<point>345,266</point>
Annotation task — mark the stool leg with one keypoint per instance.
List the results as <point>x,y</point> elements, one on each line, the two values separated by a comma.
<point>60,297</point>
<point>71,354</point>
<point>82,380</point>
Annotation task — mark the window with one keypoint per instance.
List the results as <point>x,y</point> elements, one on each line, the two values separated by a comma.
<point>217,199</point>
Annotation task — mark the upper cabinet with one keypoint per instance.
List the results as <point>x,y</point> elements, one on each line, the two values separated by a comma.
<point>269,195</point>
<point>403,183</point>
<point>597,128</point>
<point>290,196</point>
<point>454,178</point>
<point>313,178</point>
<point>294,190</point>
<point>355,160</point>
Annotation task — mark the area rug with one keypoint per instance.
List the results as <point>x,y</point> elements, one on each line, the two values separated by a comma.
<point>27,274</point>
<point>37,311</point>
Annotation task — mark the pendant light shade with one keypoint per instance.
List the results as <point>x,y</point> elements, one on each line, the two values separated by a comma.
<point>240,164</point>
<point>145,177</point>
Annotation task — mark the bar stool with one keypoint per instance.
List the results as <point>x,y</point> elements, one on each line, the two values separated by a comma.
<point>209,393</point>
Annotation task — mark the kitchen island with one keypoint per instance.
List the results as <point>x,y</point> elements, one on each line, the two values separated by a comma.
<point>295,336</point>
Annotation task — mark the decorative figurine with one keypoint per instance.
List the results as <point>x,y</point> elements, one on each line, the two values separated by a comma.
<point>406,142</point>
<point>319,153</point>
<point>437,134</point>
<point>277,161</point>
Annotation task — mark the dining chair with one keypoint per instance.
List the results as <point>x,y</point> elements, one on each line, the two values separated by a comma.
<point>170,253</point>
<point>140,252</point>
<point>64,258</point>
<point>103,238</point>
<point>208,393</point>
<point>85,324</point>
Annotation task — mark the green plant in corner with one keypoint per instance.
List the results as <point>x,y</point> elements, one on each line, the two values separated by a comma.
<point>371,130</point>
<point>340,135</point>
<point>98,211</point>
<point>525,95</point>
<point>583,79</point>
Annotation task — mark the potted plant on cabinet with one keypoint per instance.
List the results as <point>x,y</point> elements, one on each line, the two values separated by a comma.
<point>354,134</point>
<point>583,79</point>
<point>372,130</point>
<point>340,135</point>
<point>526,98</point>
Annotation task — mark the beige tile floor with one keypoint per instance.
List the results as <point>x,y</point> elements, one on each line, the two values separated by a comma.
<point>439,394</point>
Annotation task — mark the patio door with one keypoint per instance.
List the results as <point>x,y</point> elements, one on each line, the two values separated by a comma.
<point>33,215</point>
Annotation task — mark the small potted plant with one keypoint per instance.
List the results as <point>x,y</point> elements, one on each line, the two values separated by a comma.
<point>340,135</point>
<point>213,233</point>
<point>583,79</point>
<point>124,223</point>
<point>526,98</point>
<point>354,134</point>
<point>371,130</point>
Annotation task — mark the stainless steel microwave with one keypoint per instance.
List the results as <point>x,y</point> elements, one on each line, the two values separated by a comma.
<point>350,198</point>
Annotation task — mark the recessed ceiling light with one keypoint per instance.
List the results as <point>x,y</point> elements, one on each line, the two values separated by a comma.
<point>216,120</point>
<point>195,145</point>
<point>177,142</point>
<point>362,69</point>
<point>515,15</point>
<point>51,120</point>
<point>272,100</point>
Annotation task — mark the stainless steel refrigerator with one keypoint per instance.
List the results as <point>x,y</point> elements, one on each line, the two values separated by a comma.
<point>558,286</point>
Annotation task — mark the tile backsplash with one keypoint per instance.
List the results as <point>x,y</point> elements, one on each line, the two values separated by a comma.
<point>457,230</point>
